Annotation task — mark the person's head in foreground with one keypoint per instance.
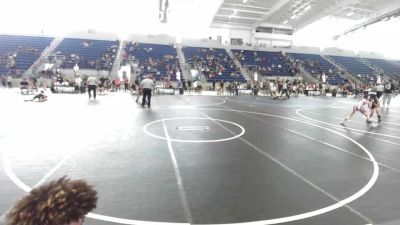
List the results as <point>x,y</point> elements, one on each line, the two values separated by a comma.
<point>60,202</point>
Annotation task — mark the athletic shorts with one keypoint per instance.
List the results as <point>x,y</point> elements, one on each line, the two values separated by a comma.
<point>355,109</point>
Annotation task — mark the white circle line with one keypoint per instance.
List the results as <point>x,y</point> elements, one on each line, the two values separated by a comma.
<point>145,129</point>
<point>334,125</point>
<point>317,212</point>
<point>191,106</point>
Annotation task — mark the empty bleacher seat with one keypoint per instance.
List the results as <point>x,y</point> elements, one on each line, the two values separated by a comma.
<point>389,68</point>
<point>355,67</point>
<point>88,54</point>
<point>216,64</point>
<point>317,65</point>
<point>18,53</point>
<point>268,63</point>
<point>159,60</point>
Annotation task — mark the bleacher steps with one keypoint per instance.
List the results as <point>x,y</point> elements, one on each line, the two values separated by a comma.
<point>307,77</point>
<point>246,74</point>
<point>347,75</point>
<point>373,67</point>
<point>32,70</point>
<point>182,62</point>
<point>118,58</point>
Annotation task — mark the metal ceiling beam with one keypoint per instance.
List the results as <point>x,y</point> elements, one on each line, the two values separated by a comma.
<point>237,26</point>
<point>246,6</point>
<point>243,10</point>
<point>394,13</point>
<point>273,10</point>
<point>238,17</point>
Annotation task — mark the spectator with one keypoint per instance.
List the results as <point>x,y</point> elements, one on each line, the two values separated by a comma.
<point>9,81</point>
<point>60,202</point>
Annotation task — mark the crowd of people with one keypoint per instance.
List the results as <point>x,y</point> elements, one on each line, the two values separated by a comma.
<point>161,67</point>
<point>9,60</point>
<point>213,64</point>
<point>103,62</point>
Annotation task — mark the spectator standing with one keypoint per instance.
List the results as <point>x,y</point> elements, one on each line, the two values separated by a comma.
<point>9,81</point>
<point>3,81</point>
<point>388,93</point>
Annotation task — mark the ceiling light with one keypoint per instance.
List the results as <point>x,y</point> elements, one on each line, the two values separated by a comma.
<point>307,8</point>
<point>244,1</point>
<point>285,22</point>
<point>350,13</point>
<point>292,17</point>
<point>230,17</point>
<point>234,12</point>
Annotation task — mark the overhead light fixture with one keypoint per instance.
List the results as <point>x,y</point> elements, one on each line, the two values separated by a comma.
<point>292,17</point>
<point>235,12</point>
<point>244,1</point>
<point>350,13</point>
<point>285,22</point>
<point>307,8</point>
<point>230,17</point>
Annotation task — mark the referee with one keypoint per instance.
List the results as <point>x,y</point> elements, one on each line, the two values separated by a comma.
<point>147,85</point>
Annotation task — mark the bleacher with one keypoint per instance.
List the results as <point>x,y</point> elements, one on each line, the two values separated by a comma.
<point>355,67</point>
<point>18,53</point>
<point>159,60</point>
<point>268,63</point>
<point>317,65</point>
<point>389,68</point>
<point>217,64</point>
<point>88,54</point>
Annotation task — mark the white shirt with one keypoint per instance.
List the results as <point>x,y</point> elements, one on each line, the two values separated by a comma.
<point>380,87</point>
<point>92,81</point>
<point>78,81</point>
<point>147,83</point>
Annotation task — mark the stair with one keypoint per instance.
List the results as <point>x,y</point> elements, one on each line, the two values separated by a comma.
<point>246,74</point>
<point>373,67</point>
<point>43,57</point>
<point>347,75</point>
<point>182,62</point>
<point>118,59</point>
<point>307,77</point>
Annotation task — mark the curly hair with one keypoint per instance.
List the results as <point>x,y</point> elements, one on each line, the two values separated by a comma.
<point>55,203</point>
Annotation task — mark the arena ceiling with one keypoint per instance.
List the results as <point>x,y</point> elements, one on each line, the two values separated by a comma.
<point>249,14</point>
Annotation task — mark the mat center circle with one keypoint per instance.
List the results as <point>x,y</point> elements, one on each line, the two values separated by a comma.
<point>199,128</point>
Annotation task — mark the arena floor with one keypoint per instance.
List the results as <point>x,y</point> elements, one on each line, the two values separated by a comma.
<point>207,159</point>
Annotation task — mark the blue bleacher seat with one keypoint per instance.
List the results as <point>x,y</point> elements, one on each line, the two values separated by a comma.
<point>389,68</point>
<point>218,65</point>
<point>158,60</point>
<point>26,49</point>
<point>88,54</point>
<point>271,63</point>
<point>355,67</point>
<point>317,65</point>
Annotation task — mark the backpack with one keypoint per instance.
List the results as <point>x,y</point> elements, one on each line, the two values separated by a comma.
<point>388,86</point>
